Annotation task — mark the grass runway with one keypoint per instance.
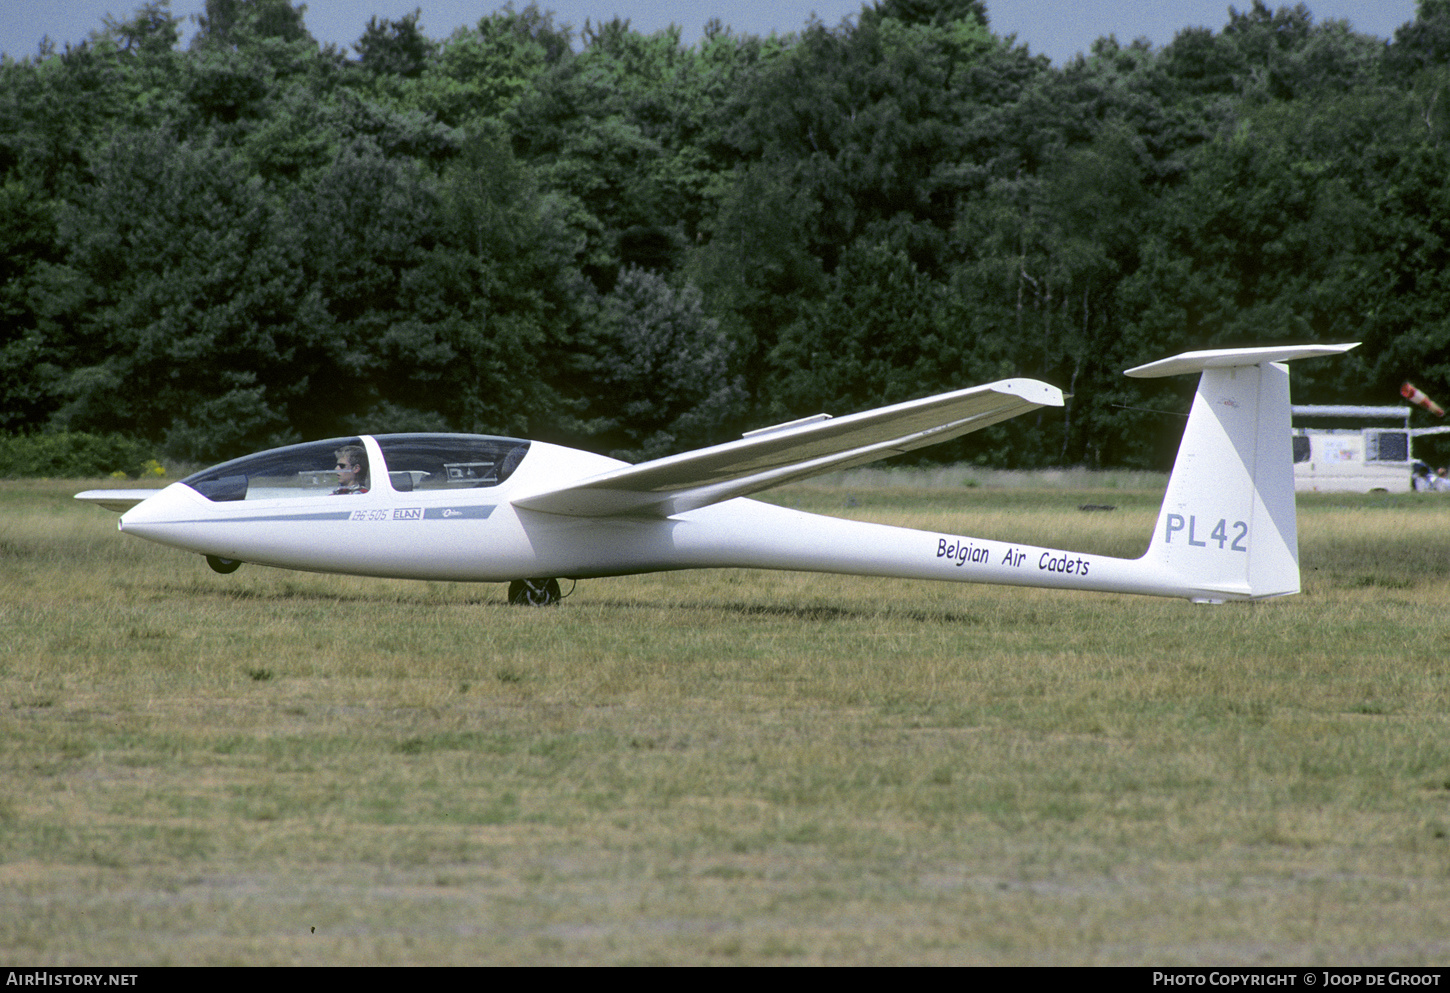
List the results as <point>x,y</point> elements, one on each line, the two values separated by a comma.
<point>728,767</point>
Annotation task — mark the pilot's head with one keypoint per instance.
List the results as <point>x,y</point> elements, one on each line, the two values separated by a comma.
<point>352,465</point>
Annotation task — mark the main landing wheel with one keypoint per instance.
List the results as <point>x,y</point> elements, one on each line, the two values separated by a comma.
<point>223,566</point>
<point>534,592</point>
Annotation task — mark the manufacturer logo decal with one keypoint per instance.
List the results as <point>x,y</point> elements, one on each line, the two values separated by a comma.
<point>457,513</point>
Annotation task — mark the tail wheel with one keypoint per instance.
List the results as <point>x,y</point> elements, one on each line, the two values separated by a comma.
<point>534,592</point>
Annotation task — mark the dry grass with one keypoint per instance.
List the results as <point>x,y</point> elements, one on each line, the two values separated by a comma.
<point>729,767</point>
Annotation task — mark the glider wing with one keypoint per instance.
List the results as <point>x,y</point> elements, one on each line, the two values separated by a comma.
<point>789,452</point>
<point>118,500</point>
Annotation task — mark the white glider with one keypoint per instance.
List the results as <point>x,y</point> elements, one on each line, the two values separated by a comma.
<point>478,508</point>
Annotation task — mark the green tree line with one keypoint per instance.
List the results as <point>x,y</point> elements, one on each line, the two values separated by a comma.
<point>618,241</point>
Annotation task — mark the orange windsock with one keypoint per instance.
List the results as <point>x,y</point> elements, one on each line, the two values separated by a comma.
<point>1412,394</point>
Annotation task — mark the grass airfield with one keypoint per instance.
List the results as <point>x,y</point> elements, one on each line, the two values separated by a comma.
<point>729,767</point>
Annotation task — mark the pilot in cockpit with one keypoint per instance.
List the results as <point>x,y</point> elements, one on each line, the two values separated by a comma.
<point>352,470</point>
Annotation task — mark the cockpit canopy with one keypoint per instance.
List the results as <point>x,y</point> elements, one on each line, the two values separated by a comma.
<point>412,462</point>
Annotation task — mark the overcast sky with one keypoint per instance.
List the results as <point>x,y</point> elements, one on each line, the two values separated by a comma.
<point>1057,28</point>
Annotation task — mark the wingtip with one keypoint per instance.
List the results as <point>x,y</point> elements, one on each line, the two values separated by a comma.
<point>1033,391</point>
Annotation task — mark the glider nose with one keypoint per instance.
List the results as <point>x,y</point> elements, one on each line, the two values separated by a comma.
<point>159,515</point>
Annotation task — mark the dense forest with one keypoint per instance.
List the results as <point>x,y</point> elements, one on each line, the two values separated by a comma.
<point>621,242</point>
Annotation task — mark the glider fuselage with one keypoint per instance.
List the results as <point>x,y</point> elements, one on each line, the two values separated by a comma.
<point>478,534</point>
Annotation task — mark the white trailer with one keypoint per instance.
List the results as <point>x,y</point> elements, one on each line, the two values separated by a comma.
<point>1356,460</point>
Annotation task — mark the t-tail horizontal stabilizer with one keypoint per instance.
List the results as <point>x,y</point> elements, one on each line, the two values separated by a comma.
<point>1227,528</point>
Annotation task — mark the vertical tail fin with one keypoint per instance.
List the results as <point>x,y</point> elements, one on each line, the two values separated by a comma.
<point>1227,527</point>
